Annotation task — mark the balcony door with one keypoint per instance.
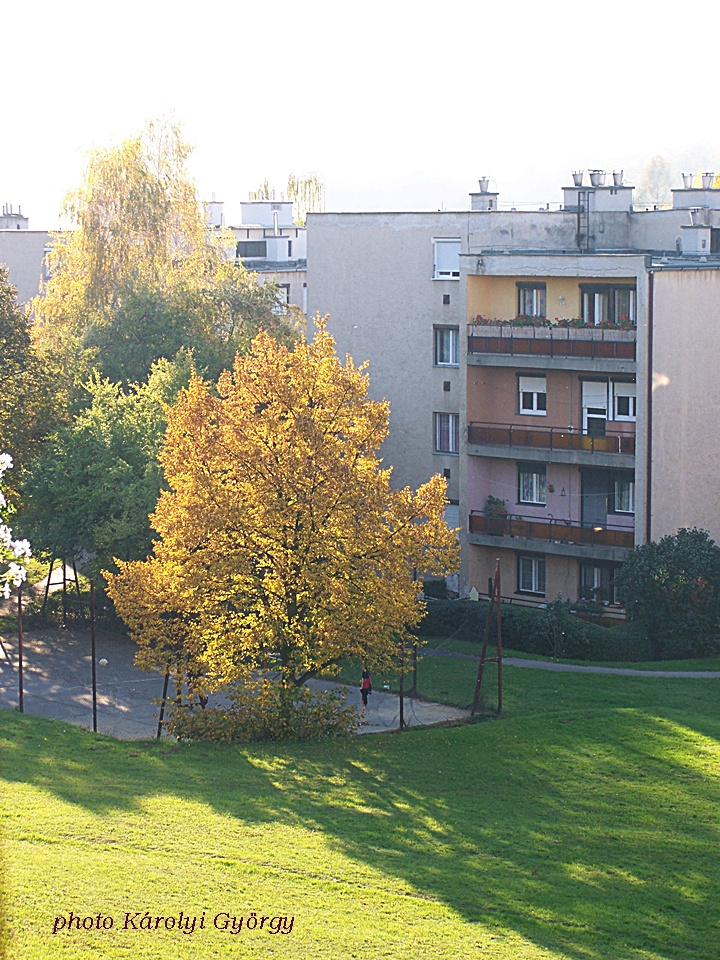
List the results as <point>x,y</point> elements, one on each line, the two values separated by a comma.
<point>594,407</point>
<point>595,485</point>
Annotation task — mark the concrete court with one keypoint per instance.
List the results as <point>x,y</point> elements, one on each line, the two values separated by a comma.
<point>57,674</point>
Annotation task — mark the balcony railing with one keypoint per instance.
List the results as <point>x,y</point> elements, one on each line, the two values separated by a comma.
<point>582,342</point>
<point>549,438</point>
<point>557,531</point>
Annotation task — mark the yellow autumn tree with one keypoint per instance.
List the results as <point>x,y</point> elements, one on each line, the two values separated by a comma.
<point>282,545</point>
<point>142,276</point>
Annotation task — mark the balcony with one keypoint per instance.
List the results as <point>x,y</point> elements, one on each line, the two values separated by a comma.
<point>510,440</point>
<point>567,348</point>
<point>558,536</point>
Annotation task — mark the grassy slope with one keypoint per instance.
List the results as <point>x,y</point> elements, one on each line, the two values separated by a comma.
<point>582,824</point>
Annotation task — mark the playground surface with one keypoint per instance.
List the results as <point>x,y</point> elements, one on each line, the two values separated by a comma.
<point>57,683</point>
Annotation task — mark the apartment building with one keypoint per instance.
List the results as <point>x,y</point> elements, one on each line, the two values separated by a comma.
<point>269,243</point>
<point>23,252</point>
<point>553,364</point>
<point>391,286</point>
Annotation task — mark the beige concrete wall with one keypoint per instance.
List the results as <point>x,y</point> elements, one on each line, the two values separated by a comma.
<point>373,274</point>
<point>685,463</point>
<point>22,251</point>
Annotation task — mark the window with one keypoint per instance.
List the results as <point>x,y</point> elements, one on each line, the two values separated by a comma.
<point>597,582</point>
<point>594,407</point>
<point>624,495</point>
<point>447,433</point>
<point>624,304</point>
<point>531,483</point>
<point>447,259</point>
<point>252,248</point>
<point>531,574</point>
<point>603,303</point>
<point>531,299</point>
<point>533,395</point>
<point>624,401</point>
<point>446,346</point>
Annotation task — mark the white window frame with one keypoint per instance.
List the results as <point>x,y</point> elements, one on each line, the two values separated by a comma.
<point>594,406</point>
<point>535,568</point>
<point>631,295</point>
<point>536,488</point>
<point>447,425</point>
<point>536,387</point>
<point>624,493</point>
<point>598,571</point>
<point>625,391</point>
<point>447,341</point>
<point>444,267</point>
<point>602,302</point>
<point>536,294</point>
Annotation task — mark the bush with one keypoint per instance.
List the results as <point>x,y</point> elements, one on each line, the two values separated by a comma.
<point>550,632</point>
<point>672,588</point>
<point>257,714</point>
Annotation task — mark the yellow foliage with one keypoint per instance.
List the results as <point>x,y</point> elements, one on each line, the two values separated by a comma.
<point>281,541</point>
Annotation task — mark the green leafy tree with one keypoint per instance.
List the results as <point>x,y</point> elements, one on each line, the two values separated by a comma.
<point>672,587</point>
<point>28,406</point>
<point>98,479</point>
<point>140,275</point>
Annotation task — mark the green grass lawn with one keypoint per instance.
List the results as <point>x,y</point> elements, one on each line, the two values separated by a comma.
<point>582,824</point>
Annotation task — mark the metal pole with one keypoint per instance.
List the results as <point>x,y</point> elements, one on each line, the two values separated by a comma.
<point>64,595</point>
<point>94,652</point>
<point>20,654</point>
<point>77,588</point>
<point>499,638</point>
<point>402,685</point>
<point>414,667</point>
<point>162,705</point>
<point>47,590</point>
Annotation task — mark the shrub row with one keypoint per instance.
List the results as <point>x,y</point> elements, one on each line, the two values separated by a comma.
<point>257,714</point>
<point>552,631</point>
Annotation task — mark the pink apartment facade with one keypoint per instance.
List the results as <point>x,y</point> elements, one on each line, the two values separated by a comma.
<point>565,445</point>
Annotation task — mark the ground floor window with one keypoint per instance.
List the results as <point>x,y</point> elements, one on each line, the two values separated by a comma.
<point>530,574</point>
<point>597,582</point>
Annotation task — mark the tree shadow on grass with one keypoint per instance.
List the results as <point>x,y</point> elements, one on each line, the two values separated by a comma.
<point>595,838</point>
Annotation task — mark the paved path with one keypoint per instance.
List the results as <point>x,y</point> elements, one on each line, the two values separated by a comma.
<point>57,676</point>
<point>577,668</point>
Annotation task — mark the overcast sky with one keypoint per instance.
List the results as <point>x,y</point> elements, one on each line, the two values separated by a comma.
<point>396,105</point>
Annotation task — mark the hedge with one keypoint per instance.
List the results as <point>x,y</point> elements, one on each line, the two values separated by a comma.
<point>552,631</point>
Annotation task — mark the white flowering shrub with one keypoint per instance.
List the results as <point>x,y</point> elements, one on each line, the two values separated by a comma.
<point>12,552</point>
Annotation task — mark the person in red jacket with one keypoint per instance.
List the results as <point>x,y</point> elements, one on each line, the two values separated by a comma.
<point>365,691</point>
